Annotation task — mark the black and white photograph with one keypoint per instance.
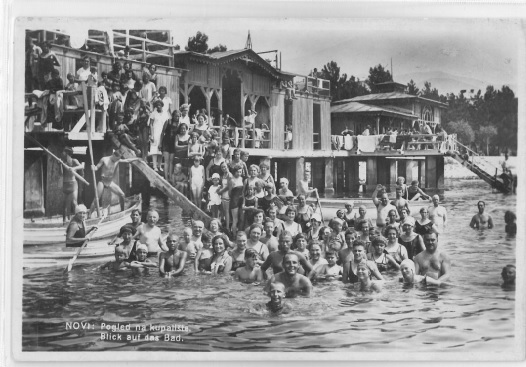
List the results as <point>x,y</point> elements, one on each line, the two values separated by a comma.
<point>287,187</point>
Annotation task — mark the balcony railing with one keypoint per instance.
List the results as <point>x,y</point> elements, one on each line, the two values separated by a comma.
<point>312,85</point>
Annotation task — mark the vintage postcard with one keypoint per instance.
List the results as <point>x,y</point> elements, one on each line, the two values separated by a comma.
<point>341,185</point>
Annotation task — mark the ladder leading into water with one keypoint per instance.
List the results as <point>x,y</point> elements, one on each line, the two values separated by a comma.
<point>478,169</point>
<point>162,184</point>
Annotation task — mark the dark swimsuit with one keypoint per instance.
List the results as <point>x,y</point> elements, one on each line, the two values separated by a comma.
<point>168,141</point>
<point>350,222</point>
<point>81,233</point>
<point>410,246</point>
<point>353,278</point>
<point>423,229</point>
<point>384,264</point>
<point>204,264</point>
<point>302,219</point>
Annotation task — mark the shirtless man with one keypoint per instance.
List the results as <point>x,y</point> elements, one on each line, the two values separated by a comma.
<point>399,202</point>
<point>70,187</point>
<point>108,165</point>
<point>481,220</point>
<point>383,207</point>
<point>294,283</point>
<point>284,191</point>
<point>350,269</point>
<point>197,231</point>
<point>172,263</point>
<point>437,213</point>
<point>303,186</point>
<point>148,233</point>
<point>276,259</point>
<point>432,262</point>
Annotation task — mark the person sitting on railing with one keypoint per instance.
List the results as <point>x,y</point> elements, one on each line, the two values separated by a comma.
<point>73,100</point>
<point>46,63</point>
<point>54,107</point>
<point>124,135</point>
<point>225,147</point>
<point>414,192</point>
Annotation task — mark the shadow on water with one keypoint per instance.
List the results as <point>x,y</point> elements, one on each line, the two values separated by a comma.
<point>224,315</point>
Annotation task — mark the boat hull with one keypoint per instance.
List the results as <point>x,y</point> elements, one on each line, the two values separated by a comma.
<point>50,231</point>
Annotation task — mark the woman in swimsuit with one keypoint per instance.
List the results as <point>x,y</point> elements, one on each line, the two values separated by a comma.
<point>412,242</point>
<point>265,175</point>
<point>414,192</point>
<point>393,247</point>
<point>167,145</point>
<point>238,254</point>
<point>347,215</point>
<point>214,166</point>
<point>391,220</point>
<point>304,213</point>
<point>221,261</point>
<point>359,219</point>
<point>380,256</point>
<point>363,235</point>
<point>181,145</point>
<point>249,207</point>
<point>289,224</point>
<point>226,176</point>
<point>200,127</point>
<point>254,233</point>
<point>424,224</point>
<point>235,192</point>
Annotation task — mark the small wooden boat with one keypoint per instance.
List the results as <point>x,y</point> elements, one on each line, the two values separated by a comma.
<point>52,230</point>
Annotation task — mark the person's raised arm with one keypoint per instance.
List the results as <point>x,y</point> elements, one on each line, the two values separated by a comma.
<point>375,193</point>
<point>196,260</point>
<point>99,165</point>
<point>305,264</point>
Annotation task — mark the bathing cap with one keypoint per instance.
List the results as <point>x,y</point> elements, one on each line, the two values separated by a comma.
<point>81,209</point>
<point>127,228</point>
<point>409,220</point>
<point>409,263</point>
<point>142,246</point>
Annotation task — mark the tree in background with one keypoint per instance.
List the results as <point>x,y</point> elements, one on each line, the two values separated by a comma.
<point>485,134</point>
<point>462,128</point>
<point>198,43</point>
<point>378,75</point>
<point>331,72</point>
<point>412,88</point>
<point>218,48</point>
<point>429,92</point>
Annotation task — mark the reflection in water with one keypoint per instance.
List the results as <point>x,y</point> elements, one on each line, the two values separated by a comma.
<point>476,314</point>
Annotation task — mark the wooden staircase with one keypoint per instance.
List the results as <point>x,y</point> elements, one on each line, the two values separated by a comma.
<point>495,181</point>
<point>162,184</point>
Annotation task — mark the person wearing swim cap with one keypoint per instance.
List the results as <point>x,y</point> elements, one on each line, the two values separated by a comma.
<point>409,276</point>
<point>127,245</point>
<point>76,232</point>
<point>142,263</point>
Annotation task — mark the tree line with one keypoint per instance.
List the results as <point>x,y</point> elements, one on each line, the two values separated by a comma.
<point>486,122</point>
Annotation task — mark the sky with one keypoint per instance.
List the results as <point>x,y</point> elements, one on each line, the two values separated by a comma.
<point>482,49</point>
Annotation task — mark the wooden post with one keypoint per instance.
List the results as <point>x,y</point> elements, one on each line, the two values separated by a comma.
<point>431,172</point>
<point>329,177</point>
<point>354,174</point>
<point>372,177</point>
<point>422,173</point>
<point>143,51</point>
<point>440,172</point>
<point>393,174</point>
<point>409,165</point>
<point>300,167</point>
<point>377,125</point>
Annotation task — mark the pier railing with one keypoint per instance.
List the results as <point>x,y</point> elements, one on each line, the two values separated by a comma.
<point>377,143</point>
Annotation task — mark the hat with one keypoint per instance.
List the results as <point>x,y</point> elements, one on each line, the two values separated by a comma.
<point>216,175</point>
<point>349,203</point>
<point>127,228</point>
<point>316,217</point>
<point>185,107</point>
<point>81,209</point>
<point>142,246</point>
<point>283,179</point>
<point>409,220</point>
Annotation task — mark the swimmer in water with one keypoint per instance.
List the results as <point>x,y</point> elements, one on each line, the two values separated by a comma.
<point>329,271</point>
<point>276,304</point>
<point>249,273</point>
<point>148,233</point>
<point>508,276</point>
<point>409,276</point>
<point>365,280</point>
<point>142,263</point>
<point>120,260</point>
<point>481,220</point>
<point>295,284</point>
<point>509,219</point>
<point>432,262</point>
<point>276,258</point>
<point>171,263</point>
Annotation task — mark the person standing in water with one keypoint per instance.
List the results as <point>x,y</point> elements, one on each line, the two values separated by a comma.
<point>437,213</point>
<point>295,283</point>
<point>383,206</point>
<point>481,220</point>
<point>432,262</point>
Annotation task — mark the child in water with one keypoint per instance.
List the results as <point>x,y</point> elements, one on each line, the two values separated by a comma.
<point>119,262</point>
<point>142,263</point>
<point>330,271</point>
<point>188,245</point>
<point>508,275</point>
<point>203,259</point>
<point>277,293</point>
<point>249,273</point>
<point>509,219</point>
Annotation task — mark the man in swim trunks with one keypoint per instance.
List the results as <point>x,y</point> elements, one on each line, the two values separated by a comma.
<point>481,220</point>
<point>432,262</point>
<point>148,233</point>
<point>437,213</point>
<point>295,284</point>
<point>108,165</point>
<point>399,202</point>
<point>303,186</point>
<point>172,263</point>
<point>70,187</point>
<point>276,259</point>
<point>383,207</point>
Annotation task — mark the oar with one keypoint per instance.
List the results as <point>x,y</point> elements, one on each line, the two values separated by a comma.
<point>58,159</point>
<point>74,258</point>
<point>319,205</point>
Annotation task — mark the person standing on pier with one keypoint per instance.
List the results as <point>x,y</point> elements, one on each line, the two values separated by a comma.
<point>383,206</point>
<point>70,187</point>
<point>481,220</point>
<point>437,213</point>
<point>108,165</point>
